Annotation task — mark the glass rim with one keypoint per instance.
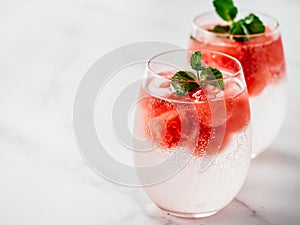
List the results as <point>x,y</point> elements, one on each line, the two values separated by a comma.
<point>232,75</point>
<point>215,34</point>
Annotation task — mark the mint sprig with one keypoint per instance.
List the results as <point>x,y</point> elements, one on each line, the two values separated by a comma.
<point>225,9</point>
<point>254,24</point>
<point>251,24</point>
<point>223,29</point>
<point>184,82</point>
<point>240,28</point>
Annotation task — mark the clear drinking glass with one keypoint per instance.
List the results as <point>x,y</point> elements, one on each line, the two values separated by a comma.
<point>262,58</point>
<point>205,135</point>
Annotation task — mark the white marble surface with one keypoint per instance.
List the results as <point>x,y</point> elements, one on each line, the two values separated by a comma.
<point>45,48</point>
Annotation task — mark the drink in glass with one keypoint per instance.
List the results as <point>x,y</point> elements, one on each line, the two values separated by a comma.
<point>262,59</point>
<point>207,128</point>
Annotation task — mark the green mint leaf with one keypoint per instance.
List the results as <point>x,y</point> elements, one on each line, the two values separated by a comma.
<point>221,29</point>
<point>219,78</point>
<point>225,9</point>
<point>239,28</point>
<point>251,24</point>
<point>254,24</point>
<point>214,75</point>
<point>196,61</point>
<point>184,82</point>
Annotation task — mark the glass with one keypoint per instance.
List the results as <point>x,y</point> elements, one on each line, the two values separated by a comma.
<point>208,130</point>
<point>263,62</point>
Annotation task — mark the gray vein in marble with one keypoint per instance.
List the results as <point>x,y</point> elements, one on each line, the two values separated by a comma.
<point>150,211</point>
<point>254,213</point>
<point>45,49</point>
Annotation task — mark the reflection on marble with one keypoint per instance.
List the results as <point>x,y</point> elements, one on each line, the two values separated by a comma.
<point>46,46</point>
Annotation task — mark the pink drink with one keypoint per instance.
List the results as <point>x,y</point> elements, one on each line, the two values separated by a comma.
<point>209,125</point>
<point>263,62</point>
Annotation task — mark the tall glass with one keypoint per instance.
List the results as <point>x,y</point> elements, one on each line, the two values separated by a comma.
<point>203,136</point>
<point>263,62</point>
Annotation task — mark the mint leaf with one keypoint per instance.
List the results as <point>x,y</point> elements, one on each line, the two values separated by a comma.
<point>225,9</point>
<point>251,24</point>
<point>196,61</point>
<point>219,78</point>
<point>254,24</point>
<point>221,29</point>
<point>239,28</point>
<point>184,82</point>
<point>214,75</point>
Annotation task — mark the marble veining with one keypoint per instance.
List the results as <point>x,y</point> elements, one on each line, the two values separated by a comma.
<point>46,47</point>
<point>253,212</point>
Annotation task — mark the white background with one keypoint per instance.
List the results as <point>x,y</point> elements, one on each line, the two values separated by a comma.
<point>45,49</point>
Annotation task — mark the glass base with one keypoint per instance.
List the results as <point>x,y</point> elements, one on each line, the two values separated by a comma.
<point>190,215</point>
